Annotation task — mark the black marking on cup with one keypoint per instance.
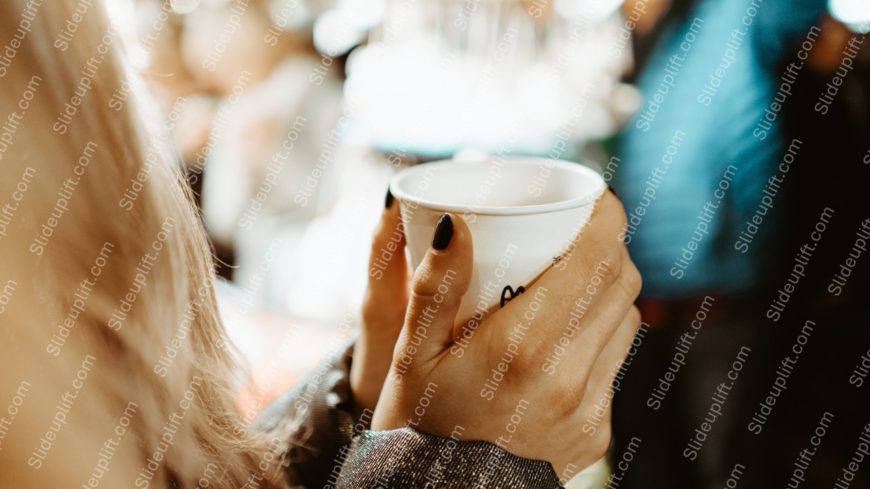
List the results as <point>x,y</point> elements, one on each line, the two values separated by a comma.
<point>508,294</point>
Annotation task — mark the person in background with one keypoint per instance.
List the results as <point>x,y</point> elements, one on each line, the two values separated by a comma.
<point>725,173</point>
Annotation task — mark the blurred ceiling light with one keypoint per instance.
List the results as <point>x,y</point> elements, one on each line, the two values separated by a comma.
<point>184,6</point>
<point>854,13</point>
<point>289,15</point>
<point>594,10</point>
<point>336,32</point>
<point>366,13</point>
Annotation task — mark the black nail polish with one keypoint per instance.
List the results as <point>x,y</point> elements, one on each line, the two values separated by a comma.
<point>443,233</point>
<point>388,201</point>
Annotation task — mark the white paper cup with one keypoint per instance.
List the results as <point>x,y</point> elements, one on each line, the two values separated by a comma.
<point>522,213</point>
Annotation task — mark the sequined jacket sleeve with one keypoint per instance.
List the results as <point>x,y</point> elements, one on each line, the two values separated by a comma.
<point>331,446</point>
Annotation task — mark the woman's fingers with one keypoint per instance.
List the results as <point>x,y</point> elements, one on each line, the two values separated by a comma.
<point>437,288</point>
<point>573,286</point>
<point>588,335</point>
<point>386,296</point>
<point>614,353</point>
<point>598,396</point>
<point>593,402</point>
<point>383,309</point>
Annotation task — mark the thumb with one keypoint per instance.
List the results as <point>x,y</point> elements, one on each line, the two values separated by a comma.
<point>438,286</point>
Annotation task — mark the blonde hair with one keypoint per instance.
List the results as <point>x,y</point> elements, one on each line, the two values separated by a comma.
<point>114,356</point>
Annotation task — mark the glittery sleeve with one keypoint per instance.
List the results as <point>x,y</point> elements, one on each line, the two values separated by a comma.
<point>407,458</point>
<point>330,445</point>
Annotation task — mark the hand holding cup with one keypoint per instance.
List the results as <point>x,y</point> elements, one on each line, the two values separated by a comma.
<point>532,372</point>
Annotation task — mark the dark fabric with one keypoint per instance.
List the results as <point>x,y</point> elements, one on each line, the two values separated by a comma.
<point>408,458</point>
<point>330,446</point>
<point>321,408</point>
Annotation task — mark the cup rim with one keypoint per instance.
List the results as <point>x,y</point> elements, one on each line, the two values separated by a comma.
<point>579,201</point>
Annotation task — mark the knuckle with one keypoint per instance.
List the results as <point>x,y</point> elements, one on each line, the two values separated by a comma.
<point>570,395</point>
<point>564,403</point>
<point>614,266</point>
<point>436,281</point>
<point>631,280</point>
<point>423,295</point>
<point>425,282</point>
<point>605,261</point>
<point>529,359</point>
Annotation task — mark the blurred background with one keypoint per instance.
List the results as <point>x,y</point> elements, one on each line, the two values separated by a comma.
<point>290,117</point>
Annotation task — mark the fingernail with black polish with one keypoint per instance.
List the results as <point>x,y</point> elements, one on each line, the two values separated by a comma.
<point>388,201</point>
<point>443,233</point>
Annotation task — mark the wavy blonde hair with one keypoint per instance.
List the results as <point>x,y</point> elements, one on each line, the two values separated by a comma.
<point>113,353</point>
